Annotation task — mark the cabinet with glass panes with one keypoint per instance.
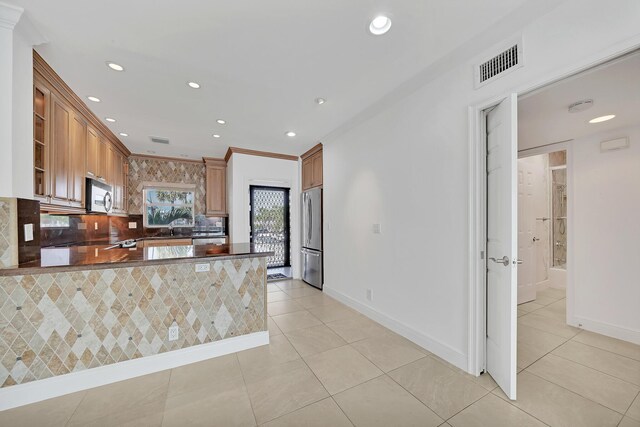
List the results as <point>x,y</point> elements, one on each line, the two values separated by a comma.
<point>41,141</point>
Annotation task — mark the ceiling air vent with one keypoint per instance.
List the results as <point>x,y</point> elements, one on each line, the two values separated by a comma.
<point>159,140</point>
<point>506,61</point>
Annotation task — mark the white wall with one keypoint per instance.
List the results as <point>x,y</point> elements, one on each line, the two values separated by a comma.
<point>604,264</point>
<point>22,152</point>
<point>8,18</point>
<point>244,170</point>
<point>407,168</point>
<point>16,102</point>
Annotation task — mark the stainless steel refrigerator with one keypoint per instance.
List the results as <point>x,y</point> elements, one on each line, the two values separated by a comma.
<point>312,237</point>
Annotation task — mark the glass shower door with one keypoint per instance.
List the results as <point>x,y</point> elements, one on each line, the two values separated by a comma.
<point>559,213</point>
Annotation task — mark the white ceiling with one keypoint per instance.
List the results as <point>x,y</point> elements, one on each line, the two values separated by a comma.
<point>543,116</point>
<point>261,63</point>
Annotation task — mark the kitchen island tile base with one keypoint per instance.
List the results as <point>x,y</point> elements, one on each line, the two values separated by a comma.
<point>59,323</point>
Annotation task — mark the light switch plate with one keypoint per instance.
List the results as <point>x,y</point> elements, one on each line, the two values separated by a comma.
<point>133,225</point>
<point>95,225</point>
<point>28,232</point>
<point>377,229</point>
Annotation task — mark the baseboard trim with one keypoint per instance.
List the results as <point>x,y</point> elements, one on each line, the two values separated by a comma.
<point>607,329</point>
<point>434,346</point>
<point>36,391</point>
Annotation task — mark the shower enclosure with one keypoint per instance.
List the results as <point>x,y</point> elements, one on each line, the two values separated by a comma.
<point>559,216</point>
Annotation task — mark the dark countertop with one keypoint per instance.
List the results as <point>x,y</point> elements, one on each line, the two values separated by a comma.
<point>98,257</point>
<point>112,241</point>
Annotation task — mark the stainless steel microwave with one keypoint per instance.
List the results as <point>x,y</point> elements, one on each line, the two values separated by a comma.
<point>99,196</point>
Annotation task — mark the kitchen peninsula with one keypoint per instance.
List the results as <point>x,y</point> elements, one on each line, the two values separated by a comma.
<point>86,307</point>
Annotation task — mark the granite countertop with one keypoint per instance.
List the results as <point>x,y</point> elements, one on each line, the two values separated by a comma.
<point>99,257</point>
<point>112,241</point>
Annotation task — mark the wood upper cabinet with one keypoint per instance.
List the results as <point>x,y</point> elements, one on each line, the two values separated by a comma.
<point>93,147</point>
<point>60,145</point>
<point>103,159</point>
<point>41,141</point>
<point>216,196</point>
<point>77,156</point>
<point>312,168</point>
<point>70,143</point>
<point>118,181</point>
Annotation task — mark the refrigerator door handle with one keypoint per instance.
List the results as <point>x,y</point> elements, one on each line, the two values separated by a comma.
<point>310,219</point>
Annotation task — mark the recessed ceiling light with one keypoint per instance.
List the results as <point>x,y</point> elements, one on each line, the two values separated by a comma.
<point>380,25</point>
<point>184,155</point>
<point>194,85</point>
<point>220,121</point>
<point>110,120</point>
<point>290,134</point>
<point>114,66</point>
<point>602,118</point>
<point>124,134</point>
<point>215,135</point>
<point>320,101</point>
<point>151,152</point>
<point>93,98</point>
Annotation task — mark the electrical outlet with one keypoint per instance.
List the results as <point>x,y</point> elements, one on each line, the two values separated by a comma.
<point>28,232</point>
<point>133,225</point>
<point>369,295</point>
<point>174,332</point>
<point>377,229</point>
<point>201,268</point>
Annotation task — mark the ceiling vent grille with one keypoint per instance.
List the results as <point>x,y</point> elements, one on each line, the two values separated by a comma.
<point>506,61</point>
<point>159,140</point>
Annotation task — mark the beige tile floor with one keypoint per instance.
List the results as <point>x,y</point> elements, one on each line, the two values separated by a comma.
<point>327,365</point>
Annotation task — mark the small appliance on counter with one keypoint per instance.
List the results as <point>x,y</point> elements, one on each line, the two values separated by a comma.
<point>99,196</point>
<point>312,272</point>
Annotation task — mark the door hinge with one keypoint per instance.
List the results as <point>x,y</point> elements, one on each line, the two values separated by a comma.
<point>481,254</point>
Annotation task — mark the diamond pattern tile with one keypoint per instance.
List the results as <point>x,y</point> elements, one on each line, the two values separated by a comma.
<point>8,224</point>
<point>144,170</point>
<point>53,324</point>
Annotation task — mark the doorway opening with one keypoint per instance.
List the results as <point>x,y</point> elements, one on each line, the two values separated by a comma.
<point>577,150</point>
<point>542,225</point>
<point>270,227</point>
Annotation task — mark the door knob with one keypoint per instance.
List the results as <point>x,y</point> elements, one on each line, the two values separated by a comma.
<point>504,260</point>
<point>517,261</point>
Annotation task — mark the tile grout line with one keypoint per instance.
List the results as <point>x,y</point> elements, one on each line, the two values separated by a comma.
<point>587,366</point>
<point>246,388</point>
<point>632,402</point>
<point>574,392</point>
<point>604,349</point>
<point>76,408</point>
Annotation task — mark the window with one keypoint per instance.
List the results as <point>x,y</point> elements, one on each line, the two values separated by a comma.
<point>54,221</point>
<point>166,205</point>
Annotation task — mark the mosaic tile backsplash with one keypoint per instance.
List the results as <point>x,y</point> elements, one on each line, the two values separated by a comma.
<point>53,324</point>
<point>8,232</point>
<point>144,169</point>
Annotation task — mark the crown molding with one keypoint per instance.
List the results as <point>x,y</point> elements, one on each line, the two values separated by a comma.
<point>30,32</point>
<point>313,150</point>
<point>167,158</point>
<point>47,73</point>
<point>237,150</point>
<point>9,15</point>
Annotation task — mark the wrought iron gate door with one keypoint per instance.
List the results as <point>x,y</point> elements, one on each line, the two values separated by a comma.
<point>269,220</point>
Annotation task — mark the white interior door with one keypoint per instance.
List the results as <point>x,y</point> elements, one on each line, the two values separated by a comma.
<point>502,217</point>
<point>527,199</point>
